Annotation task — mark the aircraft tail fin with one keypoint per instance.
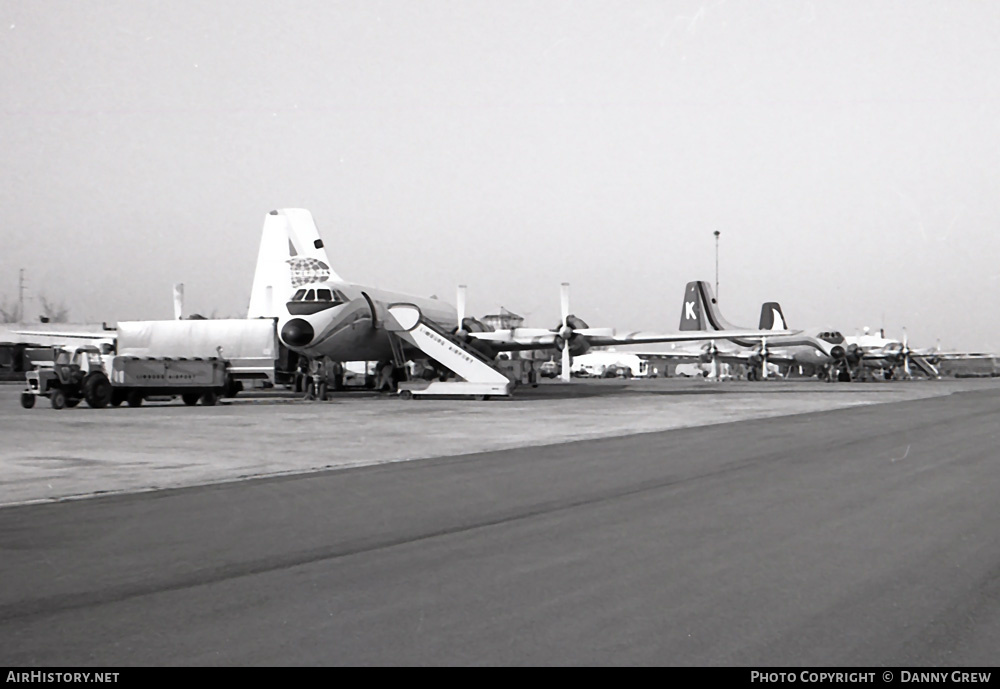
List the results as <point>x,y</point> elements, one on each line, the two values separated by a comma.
<point>291,254</point>
<point>700,310</point>
<point>771,317</point>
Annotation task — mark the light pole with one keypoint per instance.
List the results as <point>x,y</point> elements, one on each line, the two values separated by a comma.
<point>716,264</point>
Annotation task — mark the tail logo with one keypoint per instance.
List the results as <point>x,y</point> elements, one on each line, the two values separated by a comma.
<point>778,323</point>
<point>689,313</point>
<point>307,270</point>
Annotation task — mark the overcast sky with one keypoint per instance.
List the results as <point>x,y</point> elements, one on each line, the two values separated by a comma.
<point>848,152</point>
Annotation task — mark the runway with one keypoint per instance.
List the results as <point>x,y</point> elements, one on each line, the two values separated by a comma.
<point>858,536</point>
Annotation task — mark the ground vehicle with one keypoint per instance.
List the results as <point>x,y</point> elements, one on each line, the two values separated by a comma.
<point>611,364</point>
<point>103,379</point>
<point>617,371</point>
<point>66,377</point>
<point>549,369</point>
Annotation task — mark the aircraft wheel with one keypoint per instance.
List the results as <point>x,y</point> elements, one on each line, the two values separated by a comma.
<point>209,399</point>
<point>27,400</point>
<point>134,398</point>
<point>58,399</point>
<point>190,398</point>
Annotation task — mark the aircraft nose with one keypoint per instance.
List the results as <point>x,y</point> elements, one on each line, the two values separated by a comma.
<point>297,333</point>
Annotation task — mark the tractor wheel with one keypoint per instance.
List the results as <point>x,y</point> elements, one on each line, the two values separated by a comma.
<point>58,399</point>
<point>97,390</point>
<point>27,399</point>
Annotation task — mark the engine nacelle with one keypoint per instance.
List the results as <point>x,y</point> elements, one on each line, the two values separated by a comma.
<point>577,345</point>
<point>854,354</point>
<point>474,325</point>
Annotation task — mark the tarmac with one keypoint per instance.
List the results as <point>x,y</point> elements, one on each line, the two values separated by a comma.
<point>76,453</point>
<point>802,535</point>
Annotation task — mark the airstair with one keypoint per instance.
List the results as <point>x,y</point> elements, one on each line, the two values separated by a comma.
<point>926,367</point>
<point>481,379</point>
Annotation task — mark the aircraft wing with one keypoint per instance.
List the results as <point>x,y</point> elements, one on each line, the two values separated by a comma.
<point>957,356</point>
<point>687,336</point>
<point>930,354</point>
<point>536,338</point>
<point>66,337</point>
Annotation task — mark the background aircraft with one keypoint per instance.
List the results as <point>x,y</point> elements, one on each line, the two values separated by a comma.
<point>895,358</point>
<point>823,351</point>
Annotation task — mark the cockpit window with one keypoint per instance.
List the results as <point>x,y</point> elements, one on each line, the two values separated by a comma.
<point>319,295</point>
<point>833,337</point>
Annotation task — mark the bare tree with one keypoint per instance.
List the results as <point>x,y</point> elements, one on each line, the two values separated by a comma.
<point>10,313</point>
<point>52,312</point>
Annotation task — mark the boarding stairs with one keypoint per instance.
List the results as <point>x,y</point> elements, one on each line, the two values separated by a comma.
<point>481,379</point>
<point>926,367</point>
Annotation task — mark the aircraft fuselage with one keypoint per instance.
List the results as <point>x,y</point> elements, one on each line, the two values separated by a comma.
<point>350,326</point>
<point>802,349</point>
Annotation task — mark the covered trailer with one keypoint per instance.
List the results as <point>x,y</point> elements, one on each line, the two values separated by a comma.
<point>249,345</point>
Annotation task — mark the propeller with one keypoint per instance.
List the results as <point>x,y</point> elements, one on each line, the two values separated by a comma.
<point>905,352</point>
<point>759,355</point>
<point>460,331</point>
<point>852,360</point>
<point>573,332</point>
<point>565,331</point>
<point>713,355</point>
